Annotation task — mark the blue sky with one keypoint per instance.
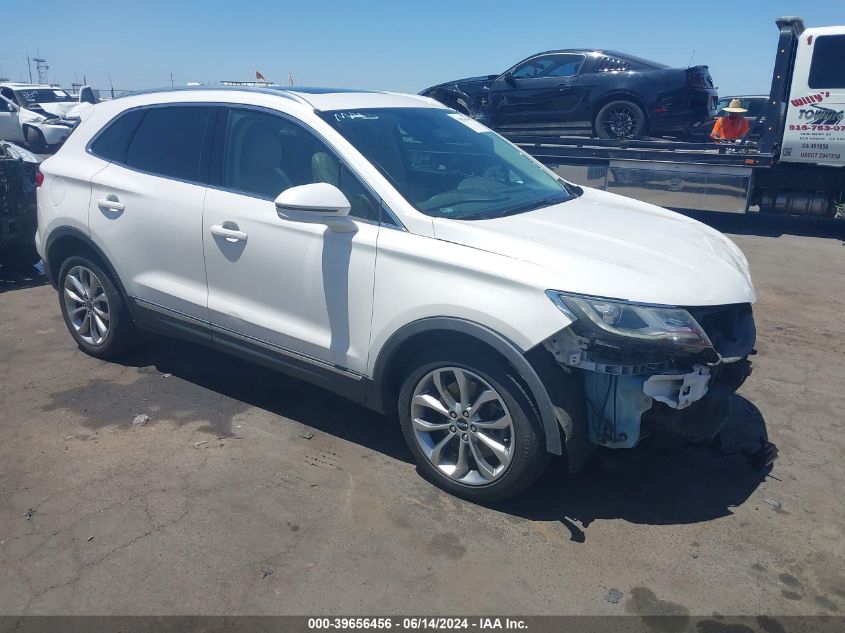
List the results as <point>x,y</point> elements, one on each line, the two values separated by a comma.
<point>383,44</point>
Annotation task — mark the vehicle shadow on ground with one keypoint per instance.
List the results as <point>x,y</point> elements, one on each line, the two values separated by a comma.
<point>770,224</point>
<point>665,481</point>
<point>14,279</point>
<point>17,268</point>
<point>242,385</point>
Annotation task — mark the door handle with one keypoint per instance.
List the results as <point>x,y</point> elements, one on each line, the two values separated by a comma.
<point>231,235</point>
<point>111,203</point>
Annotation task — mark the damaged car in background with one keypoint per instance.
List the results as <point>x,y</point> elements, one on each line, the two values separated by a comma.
<point>46,115</point>
<point>18,181</point>
<point>430,270</point>
<point>594,92</point>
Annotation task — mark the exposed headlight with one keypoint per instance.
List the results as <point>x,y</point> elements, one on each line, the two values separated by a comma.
<point>643,322</point>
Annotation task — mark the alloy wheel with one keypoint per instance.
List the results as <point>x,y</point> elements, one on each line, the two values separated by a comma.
<point>462,426</point>
<point>86,305</point>
<point>620,122</point>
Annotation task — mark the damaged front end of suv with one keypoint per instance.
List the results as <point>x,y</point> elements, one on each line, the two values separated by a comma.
<point>647,368</point>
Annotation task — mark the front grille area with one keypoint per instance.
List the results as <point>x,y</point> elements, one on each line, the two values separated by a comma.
<point>730,328</point>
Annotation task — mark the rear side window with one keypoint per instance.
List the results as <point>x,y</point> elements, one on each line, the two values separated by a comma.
<point>112,142</point>
<point>169,142</point>
<point>827,69</point>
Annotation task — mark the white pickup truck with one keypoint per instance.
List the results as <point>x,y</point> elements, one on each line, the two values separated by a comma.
<point>39,115</point>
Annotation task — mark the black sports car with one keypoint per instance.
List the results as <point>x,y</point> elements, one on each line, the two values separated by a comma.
<point>605,93</point>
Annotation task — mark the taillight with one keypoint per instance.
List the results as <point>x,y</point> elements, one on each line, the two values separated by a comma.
<point>39,178</point>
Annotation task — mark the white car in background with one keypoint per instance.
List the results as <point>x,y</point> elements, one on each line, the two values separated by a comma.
<point>401,254</point>
<point>10,121</point>
<point>46,115</point>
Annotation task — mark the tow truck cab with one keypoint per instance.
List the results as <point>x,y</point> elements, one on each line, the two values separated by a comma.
<point>815,118</point>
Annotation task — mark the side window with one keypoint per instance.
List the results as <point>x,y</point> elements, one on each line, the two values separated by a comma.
<point>756,107</point>
<point>533,68</point>
<point>9,94</point>
<point>265,154</point>
<point>566,66</point>
<point>111,144</point>
<point>168,141</point>
<point>827,69</point>
<point>4,106</point>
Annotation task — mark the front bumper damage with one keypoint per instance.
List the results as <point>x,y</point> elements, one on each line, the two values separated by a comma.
<point>633,390</point>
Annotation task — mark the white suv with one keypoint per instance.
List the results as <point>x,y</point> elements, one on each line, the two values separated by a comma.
<point>401,254</point>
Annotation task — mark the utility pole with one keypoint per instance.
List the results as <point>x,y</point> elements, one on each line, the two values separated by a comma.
<point>171,78</point>
<point>29,66</point>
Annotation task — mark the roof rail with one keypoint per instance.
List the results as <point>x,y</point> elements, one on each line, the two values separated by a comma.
<point>279,91</point>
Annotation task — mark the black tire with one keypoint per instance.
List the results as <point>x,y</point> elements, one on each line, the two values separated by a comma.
<point>529,456</point>
<point>35,141</point>
<point>121,330</point>
<point>620,119</point>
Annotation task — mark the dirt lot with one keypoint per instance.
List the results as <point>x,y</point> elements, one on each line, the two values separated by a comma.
<point>248,492</point>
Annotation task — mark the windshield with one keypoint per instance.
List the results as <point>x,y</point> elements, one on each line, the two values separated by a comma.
<point>28,96</point>
<point>446,164</point>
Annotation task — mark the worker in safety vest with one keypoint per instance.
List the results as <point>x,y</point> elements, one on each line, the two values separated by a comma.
<point>733,125</point>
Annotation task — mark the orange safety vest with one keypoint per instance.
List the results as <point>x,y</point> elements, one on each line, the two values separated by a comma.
<point>725,128</point>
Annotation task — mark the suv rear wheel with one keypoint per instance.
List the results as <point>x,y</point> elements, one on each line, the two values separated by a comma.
<point>93,309</point>
<point>471,427</point>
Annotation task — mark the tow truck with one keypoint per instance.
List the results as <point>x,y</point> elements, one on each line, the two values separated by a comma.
<point>796,167</point>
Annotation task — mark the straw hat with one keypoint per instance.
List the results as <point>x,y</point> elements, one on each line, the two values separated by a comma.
<point>735,106</point>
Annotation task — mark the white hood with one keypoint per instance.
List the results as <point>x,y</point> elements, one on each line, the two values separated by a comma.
<point>607,245</point>
<point>59,109</point>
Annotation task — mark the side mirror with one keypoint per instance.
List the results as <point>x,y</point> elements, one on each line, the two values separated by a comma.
<point>317,203</point>
<point>509,78</point>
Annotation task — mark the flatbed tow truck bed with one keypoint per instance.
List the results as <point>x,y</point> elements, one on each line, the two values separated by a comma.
<point>770,174</point>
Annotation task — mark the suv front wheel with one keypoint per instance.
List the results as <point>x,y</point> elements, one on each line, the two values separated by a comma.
<point>471,427</point>
<point>93,309</point>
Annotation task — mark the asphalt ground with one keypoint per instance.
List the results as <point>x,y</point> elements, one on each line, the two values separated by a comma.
<point>248,492</point>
